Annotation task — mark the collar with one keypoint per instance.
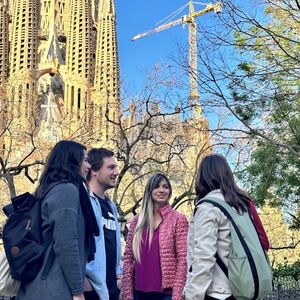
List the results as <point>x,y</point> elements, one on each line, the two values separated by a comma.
<point>216,193</point>
<point>93,195</point>
<point>165,210</point>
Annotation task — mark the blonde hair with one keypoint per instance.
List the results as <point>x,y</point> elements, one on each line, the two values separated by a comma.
<point>146,215</point>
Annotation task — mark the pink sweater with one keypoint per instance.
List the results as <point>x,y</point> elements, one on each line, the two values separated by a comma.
<point>173,250</point>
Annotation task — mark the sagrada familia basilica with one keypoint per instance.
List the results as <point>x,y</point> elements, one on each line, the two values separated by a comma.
<point>59,59</point>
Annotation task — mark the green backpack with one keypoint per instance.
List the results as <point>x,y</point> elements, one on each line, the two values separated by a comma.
<point>249,272</point>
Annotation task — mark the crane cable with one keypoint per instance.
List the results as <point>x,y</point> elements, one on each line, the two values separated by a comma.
<point>173,15</point>
<point>200,3</point>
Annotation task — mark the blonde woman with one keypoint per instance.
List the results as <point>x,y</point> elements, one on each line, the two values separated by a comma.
<point>155,253</point>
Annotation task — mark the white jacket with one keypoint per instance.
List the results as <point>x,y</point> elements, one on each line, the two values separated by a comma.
<point>209,232</point>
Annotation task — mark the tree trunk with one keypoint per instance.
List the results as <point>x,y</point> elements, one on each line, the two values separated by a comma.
<point>11,185</point>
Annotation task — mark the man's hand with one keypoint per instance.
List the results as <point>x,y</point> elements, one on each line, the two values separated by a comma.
<point>119,282</point>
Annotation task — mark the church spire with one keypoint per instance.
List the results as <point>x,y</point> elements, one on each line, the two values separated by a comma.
<point>79,60</point>
<point>23,58</point>
<point>107,7</point>
<point>107,78</point>
<point>4,44</point>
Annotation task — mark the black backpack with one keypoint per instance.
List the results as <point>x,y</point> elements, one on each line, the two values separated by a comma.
<point>22,236</point>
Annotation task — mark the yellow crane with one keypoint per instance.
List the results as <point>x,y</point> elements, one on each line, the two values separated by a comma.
<point>190,20</point>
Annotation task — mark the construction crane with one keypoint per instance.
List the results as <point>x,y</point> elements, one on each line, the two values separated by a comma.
<point>190,20</point>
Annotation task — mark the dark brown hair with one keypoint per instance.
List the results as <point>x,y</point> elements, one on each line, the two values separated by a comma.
<point>63,164</point>
<point>214,173</point>
<point>96,159</point>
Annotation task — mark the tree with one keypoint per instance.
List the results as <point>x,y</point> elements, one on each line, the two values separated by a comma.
<point>18,149</point>
<point>285,270</point>
<point>158,130</point>
<point>157,133</point>
<point>249,65</point>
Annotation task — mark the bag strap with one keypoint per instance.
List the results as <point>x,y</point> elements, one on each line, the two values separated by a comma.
<point>244,244</point>
<point>8,209</point>
<point>221,265</point>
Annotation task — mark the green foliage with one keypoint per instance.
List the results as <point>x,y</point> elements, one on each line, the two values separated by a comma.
<point>241,40</point>
<point>246,67</point>
<point>285,270</point>
<point>265,93</point>
<point>274,174</point>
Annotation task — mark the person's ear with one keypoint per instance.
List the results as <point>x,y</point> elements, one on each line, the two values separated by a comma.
<point>94,173</point>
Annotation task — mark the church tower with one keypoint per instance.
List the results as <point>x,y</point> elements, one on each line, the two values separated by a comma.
<point>4,43</point>
<point>79,62</point>
<point>23,59</point>
<point>61,57</point>
<point>106,96</point>
<point>4,47</point>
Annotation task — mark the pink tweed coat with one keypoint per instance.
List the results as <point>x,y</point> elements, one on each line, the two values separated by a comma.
<point>173,250</point>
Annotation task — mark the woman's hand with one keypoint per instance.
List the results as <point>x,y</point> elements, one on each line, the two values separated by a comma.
<point>87,285</point>
<point>119,282</point>
<point>78,297</point>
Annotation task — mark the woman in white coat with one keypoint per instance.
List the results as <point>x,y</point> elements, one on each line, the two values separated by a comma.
<point>209,231</point>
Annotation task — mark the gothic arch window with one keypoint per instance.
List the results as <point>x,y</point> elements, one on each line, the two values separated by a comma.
<point>78,102</point>
<point>19,105</point>
<point>72,96</point>
<point>27,100</point>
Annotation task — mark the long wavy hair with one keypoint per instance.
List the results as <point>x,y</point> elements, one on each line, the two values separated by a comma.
<point>214,173</point>
<point>63,165</point>
<point>146,215</point>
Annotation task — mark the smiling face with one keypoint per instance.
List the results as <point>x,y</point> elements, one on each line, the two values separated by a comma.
<point>161,193</point>
<point>85,165</point>
<point>106,176</point>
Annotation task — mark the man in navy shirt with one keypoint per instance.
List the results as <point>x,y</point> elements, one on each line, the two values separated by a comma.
<point>104,273</point>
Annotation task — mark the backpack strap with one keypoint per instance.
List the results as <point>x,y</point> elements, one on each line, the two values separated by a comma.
<point>8,209</point>
<point>221,265</point>
<point>244,244</point>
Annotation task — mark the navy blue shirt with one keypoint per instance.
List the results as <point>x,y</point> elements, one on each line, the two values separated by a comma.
<point>109,228</point>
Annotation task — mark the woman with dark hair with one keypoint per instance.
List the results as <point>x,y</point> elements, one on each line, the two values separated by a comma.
<point>68,226</point>
<point>209,231</point>
<point>155,254</point>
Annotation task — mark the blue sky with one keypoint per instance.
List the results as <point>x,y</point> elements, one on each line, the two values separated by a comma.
<point>134,17</point>
<point>138,57</point>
